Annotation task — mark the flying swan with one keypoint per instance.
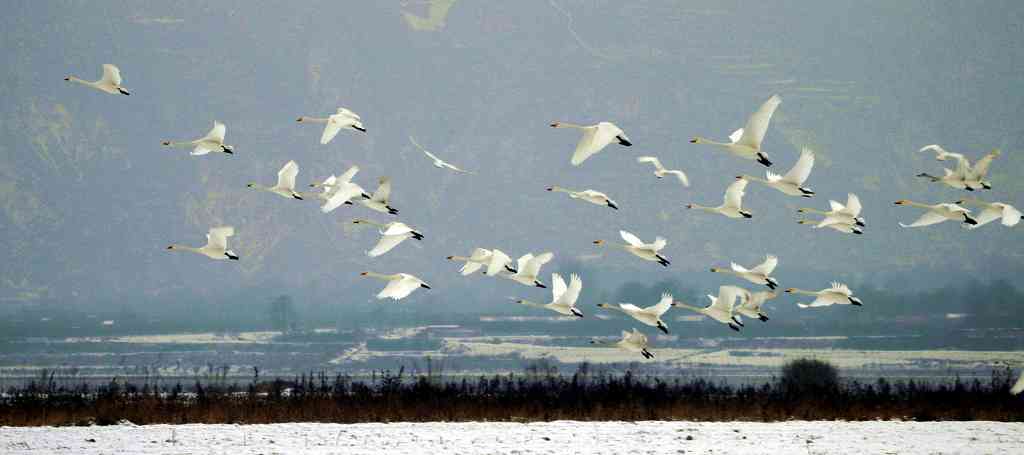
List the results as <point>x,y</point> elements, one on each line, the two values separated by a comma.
<point>109,83</point>
<point>722,307</point>
<point>216,244</point>
<point>732,205</point>
<point>937,213</point>
<point>660,171</point>
<point>438,162</point>
<point>591,196</point>
<point>631,342</point>
<point>343,119</point>
<point>791,183</point>
<point>645,251</point>
<point>757,275</point>
<point>837,294</point>
<point>391,234</point>
<point>563,298</point>
<point>746,142</point>
<point>399,286</point>
<point>285,186</point>
<point>212,142</point>
<point>595,138</point>
<point>649,316</point>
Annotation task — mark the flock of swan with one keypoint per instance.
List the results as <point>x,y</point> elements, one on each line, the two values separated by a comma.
<point>728,307</point>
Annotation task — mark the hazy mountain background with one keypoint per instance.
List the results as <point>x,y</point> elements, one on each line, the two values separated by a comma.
<point>89,199</point>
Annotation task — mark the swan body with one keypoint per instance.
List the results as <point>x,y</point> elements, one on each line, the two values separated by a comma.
<point>846,227</point>
<point>563,298</point>
<point>527,268</point>
<point>378,201</point>
<point>110,82</point>
<point>391,234</point>
<point>216,244</point>
<point>285,186</point>
<point>848,213</point>
<point>399,286</point>
<point>591,196</point>
<point>938,213</point>
<point>791,183</point>
<point>660,171</point>
<point>746,142</point>
<point>732,205</point>
<point>964,176</point>
<point>636,247</point>
<point>752,303</point>
<point>342,119</point>
<point>595,138</point>
<point>649,316</point>
<point>722,307</point>
<point>631,342</point>
<point>479,258</point>
<point>438,162</point>
<point>212,142</point>
<point>757,275</point>
<point>340,191</point>
<point>991,211</point>
<point>836,294</point>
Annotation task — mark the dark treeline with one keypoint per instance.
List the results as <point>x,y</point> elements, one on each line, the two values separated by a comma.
<point>806,389</point>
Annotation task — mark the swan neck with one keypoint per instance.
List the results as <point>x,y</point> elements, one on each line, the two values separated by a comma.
<point>689,307</point>
<point>314,120</point>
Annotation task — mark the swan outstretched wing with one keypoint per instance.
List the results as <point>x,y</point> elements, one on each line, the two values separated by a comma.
<point>734,193</point>
<point>383,191</point>
<point>653,160</point>
<point>111,74</point>
<point>218,237</point>
<point>767,267</point>
<point>928,219</point>
<point>840,288</point>
<point>398,288</point>
<point>424,150</point>
<point>980,168</point>
<point>757,124</point>
<point>386,243</point>
<point>342,194</point>
<point>396,228</point>
<point>587,146</point>
<point>681,176</point>
<point>334,124</point>
<point>347,113</point>
<point>662,306</point>
<point>572,293</point>
<point>631,239</point>
<point>286,176</point>
<point>1011,216</point>
<point>802,169</point>
<point>498,262</point>
<point>216,133</point>
<point>736,135</point>
<point>535,263</point>
<point>853,205</point>
<point>558,287</point>
<point>659,243</point>
<point>347,176</point>
<point>726,298</point>
<point>738,268</point>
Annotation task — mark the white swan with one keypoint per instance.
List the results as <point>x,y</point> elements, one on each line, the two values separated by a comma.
<point>285,186</point>
<point>475,261</point>
<point>840,213</point>
<point>216,244</point>
<point>975,178</point>
<point>965,176</point>
<point>645,251</point>
<point>660,171</point>
<point>837,294</point>
<point>591,196</point>
<point>438,162</point>
<point>391,234</point>
<point>846,227</point>
<point>732,204</point>
<point>991,211</point>
<point>746,142</point>
<point>757,275</point>
<point>399,286</point>
<point>595,138</point>
<point>342,119</point>
<point>212,142</point>
<point>499,262</point>
<point>791,183</point>
<point>563,298</point>
<point>340,191</point>
<point>722,307</point>
<point>937,213</point>
<point>527,270</point>
<point>631,342</point>
<point>378,201</point>
<point>751,305</point>
<point>650,315</point>
<point>109,83</point>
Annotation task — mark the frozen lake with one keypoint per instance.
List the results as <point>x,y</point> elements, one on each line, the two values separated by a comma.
<point>516,438</point>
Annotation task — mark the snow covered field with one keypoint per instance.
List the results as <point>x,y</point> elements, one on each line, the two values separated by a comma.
<point>515,438</point>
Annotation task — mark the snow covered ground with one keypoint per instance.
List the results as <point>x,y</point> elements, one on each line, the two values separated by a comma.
<point>516,438</point>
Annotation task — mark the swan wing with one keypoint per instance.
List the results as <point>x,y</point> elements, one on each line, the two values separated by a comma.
<point>767,267</point>
<point>396,228</point>
<point>348,113</point>
<point>535,263</point>
<point>216,133</point>
<point>201,149</point>
<point>802,169</point>
<point>426,152</point>
<point>630,308</point>
<point>342,194</point>
<point>347,176</point>
<point>470,268</point>
<point>738,268</point>
<point>286,176</point>
<point>836,206</point>
<point>757,124</point>
<point>334,124</point>
<point>480,255</point>
<point>653,160</point>
<point>383,190</point>
<point>659,243</point>
<point>840,288</point>
<point>980,168</point>
<point>558,287</point>
<point>726,299</point>
<point>631,239</point>
<point>853,205</point>
<point>681,176</point>
<point>386,243</point>
<point>736,135</point>
<point>572,293</point>
<point>218,237</point>
<point>929,218</point>
<point>987,215</point>
<point>1018,387</point>
<point>111,74</point>
<point>398,288</point>
<point>662,306</point>
<point>1011,216</point>
<point>734,193</point>
<point>498,261</point>
<point>939,151</point>
<point>589,144</point>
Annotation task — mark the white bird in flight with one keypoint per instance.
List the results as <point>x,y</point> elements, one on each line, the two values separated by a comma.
<point>595,138</point>
<point>645,251</point>
<point>746,142</point>
<point>399,286</point>
<point>660,171</point>
<point>216,244</point>
<point>846,227</point>
<point>752,303</point>
<point>527,268</point>
<point>591,196</point>
<point>848,213</point>
<point>340,191</point>
<point>836,294</point>
<point>438,162</point>
<point>378,201</point>
<point>791,183</point>
<point>342,119</point>
<point>631,342</point>
<point>937,213</point>
<point>391,234</point>
<point>964,176</point>
<point>761,274</point>
<point>563,298</point>
<point>649,316</point>
<point>109,83</point>
<point>991,211</point>
<point>285,186</point>
<point>212,142</point>
<point>722,307</point>
<point>732,204</point>
<point>475,261</point>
